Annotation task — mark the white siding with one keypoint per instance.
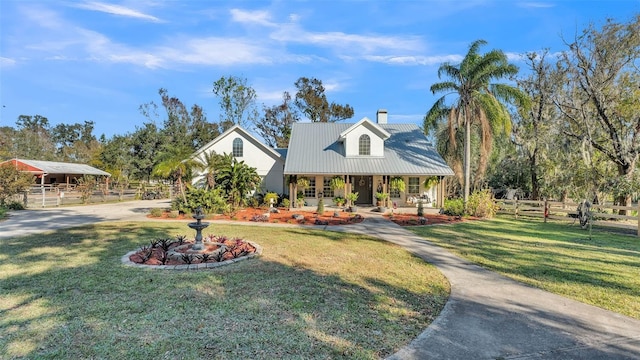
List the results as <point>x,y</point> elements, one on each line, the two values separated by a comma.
<point>352,142</point>
<point>268,167</point>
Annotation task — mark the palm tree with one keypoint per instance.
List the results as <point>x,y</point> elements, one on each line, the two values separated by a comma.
<point>176,163</point>
<point>479,102</point>
<point>211,163</point>
<point>237,178</point>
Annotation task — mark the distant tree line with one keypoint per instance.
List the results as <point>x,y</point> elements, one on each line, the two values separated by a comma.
<point>171,132</point>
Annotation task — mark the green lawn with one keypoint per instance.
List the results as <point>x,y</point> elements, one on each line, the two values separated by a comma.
<point>312,294</point>
<point>558,257</point>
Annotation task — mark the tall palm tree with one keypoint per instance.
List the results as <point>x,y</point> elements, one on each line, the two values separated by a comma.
<point>479,102</point>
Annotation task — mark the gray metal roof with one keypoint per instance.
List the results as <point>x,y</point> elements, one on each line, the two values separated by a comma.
<point>314,149</point>
<point>54,167</point>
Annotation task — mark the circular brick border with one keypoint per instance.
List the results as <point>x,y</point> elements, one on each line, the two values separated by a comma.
<point>126,261</point>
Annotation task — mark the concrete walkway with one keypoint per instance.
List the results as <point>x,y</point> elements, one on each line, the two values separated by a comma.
<point>488,316</point>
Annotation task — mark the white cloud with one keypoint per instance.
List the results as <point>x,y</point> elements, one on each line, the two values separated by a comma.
<point>116,10</point>
<point>292,33</point>
<point>414,59</point>
<point>535,4</point>
<point>6,62</point>
<point>216,51</point>
<point>252,17</point>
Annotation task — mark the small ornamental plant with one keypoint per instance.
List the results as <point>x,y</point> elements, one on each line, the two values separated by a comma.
<point>320,209</point>
<point>352,197</point>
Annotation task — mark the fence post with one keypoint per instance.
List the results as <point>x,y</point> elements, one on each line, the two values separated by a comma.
<point>516,208</point>
<point>546,209</point>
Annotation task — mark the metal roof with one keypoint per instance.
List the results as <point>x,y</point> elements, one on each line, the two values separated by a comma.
<point>54,167</point>
<point>314,149</point>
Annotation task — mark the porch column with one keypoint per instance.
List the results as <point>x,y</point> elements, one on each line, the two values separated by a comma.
<point>42,188</point>
<point>440,202</point>
<point>347,189</point>
<point>293,182</point>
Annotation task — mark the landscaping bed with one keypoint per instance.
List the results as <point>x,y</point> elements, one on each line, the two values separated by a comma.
<point>426,219</point>
<point>283,216</point>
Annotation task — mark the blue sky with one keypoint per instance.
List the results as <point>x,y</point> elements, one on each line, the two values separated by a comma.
<point>73,61</point>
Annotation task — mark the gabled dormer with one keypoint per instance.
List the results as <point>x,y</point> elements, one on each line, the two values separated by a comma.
<point>364,139</point>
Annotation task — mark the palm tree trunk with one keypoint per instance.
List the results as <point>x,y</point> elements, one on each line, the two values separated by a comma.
<point>467,158</point>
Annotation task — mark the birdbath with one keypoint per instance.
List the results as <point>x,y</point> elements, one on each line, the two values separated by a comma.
<point>198,226</point>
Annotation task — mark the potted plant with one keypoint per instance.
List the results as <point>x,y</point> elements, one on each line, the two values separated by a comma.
<point>397,183</point>
<point>336,183</point>
<point>430,182</point>
<point>303,183</point>
<point>381,198</point>
<point>339,200</point>
<point>352,198</point>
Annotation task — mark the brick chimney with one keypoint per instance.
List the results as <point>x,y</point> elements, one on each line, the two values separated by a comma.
<point>381,116</point>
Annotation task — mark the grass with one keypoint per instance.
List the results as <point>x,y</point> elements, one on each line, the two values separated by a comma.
<point>557,257</point>
<point>312,294</point>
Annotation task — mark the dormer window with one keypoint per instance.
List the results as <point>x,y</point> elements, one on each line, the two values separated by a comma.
<point>237,147</point>
<point>364,145</point>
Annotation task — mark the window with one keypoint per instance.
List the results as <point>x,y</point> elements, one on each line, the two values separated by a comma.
<point>237,147</point>
<point>414,185</point>
<point>311,190</point>
<point>394,193</point>
<point>326,187</point>
<point>364,145</point>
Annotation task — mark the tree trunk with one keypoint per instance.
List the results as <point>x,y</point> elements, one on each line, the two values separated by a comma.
<point>624,199</point>
<point>535,188</point>
<point>467,159</point>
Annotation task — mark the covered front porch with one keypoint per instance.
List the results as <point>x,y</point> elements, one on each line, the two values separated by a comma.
<point>391,191</point>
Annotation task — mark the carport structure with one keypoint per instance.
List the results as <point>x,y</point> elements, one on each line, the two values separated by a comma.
<point>56,175</point>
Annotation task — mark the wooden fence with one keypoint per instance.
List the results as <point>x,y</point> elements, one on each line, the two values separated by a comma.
<point>50,196</point>
<point>602,214</point>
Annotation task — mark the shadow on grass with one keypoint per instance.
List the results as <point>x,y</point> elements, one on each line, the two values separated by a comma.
<point>66,295</point>
<point>601,271</point>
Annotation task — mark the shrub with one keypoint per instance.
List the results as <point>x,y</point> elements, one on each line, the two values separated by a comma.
<point>156,212</point>
<point>211,201</point>
<point>320,209</point>
<point>481,204</point>
<point>15,205</point>
<point>286,203</point>
<point>253,202</point>
<point>453,207</point>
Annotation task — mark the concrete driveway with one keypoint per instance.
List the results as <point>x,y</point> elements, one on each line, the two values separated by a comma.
<point>36,221</point>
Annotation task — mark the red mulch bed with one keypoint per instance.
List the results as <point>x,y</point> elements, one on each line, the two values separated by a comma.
<point>430,219</point>
<point>238,247</point>
<point>282,217</point>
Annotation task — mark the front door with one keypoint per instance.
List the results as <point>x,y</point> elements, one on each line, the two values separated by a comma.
<point>363,186</point>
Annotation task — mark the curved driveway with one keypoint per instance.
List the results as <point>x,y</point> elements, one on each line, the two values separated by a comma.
<point>488,316</point>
